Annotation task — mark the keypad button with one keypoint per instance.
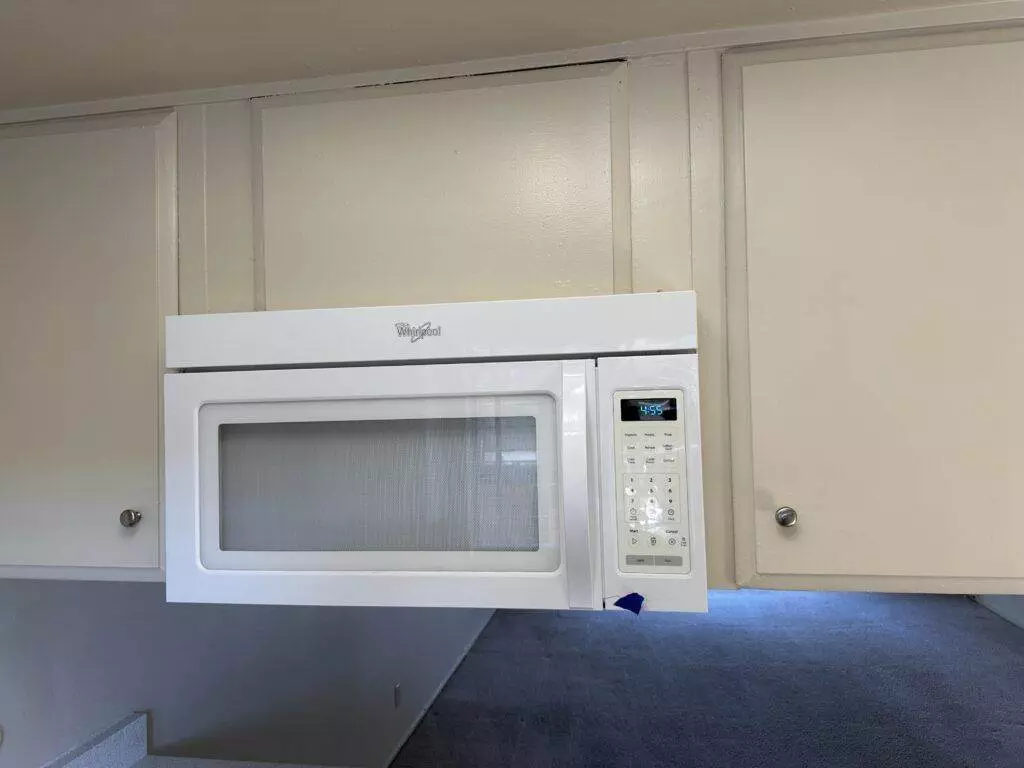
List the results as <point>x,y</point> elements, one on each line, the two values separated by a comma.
<point>672,560</point>
<point>641,559</point>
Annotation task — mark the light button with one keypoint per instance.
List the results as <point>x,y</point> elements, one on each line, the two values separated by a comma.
<point>643,560</point>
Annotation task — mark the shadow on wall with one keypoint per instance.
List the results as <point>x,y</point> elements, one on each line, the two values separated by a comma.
<point>307,730</point>
<point>268,683</point>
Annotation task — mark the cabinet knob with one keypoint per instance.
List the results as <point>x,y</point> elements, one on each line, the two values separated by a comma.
<point>786,517</point>
<point>130,518</point>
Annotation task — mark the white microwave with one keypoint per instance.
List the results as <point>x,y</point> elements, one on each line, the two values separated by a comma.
<point>511,454</point>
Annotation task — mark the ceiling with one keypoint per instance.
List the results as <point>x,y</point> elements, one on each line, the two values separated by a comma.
<point>59,51</point>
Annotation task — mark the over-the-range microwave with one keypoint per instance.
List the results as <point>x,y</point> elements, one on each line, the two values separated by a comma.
<point>515,454</point>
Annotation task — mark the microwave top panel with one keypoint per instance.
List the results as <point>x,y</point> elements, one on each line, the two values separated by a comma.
<point>585,326</point>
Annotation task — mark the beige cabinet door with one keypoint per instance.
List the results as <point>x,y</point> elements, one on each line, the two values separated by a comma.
<point>560,182</point>
<point>86,260</point>
<point>384,195</point>
<point>876,326</point>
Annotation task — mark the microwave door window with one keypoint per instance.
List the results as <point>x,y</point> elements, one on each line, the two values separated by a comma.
<point>451,484</point>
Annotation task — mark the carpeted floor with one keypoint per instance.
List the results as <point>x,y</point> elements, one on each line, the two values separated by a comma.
<point>766,680</point>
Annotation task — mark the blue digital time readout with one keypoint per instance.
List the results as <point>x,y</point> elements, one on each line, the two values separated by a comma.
<point>648,409</point>
<point>652,410</point>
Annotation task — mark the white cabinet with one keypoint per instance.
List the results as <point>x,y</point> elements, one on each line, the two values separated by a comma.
<point>86,270</point>
<point>559,182</point>
<point>876,329</point>
<point>443,193</point>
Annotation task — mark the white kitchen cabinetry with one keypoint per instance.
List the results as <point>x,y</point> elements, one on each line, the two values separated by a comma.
<point>876,328</point>
<point>87,269</point>
<point>559,182</point>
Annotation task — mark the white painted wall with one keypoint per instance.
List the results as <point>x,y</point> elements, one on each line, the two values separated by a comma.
<point>289,684</point>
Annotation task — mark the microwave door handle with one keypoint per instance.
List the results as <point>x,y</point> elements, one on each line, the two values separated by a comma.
<point>576,486</point>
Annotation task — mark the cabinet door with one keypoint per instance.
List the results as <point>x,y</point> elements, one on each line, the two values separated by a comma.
<point>86,248</point>
<point>382,194</point>
<point>876,324</point>
<point>560,182</point>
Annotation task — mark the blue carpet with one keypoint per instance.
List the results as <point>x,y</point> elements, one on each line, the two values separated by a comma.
<point>765,680</point>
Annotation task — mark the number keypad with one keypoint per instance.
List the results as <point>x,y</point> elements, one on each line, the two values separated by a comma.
<point>652,512</point>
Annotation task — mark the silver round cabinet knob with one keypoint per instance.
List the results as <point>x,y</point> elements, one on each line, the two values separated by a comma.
<point>130,518</point>
<point>786,517</point>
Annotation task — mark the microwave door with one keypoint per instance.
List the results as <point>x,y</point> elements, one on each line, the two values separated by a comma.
<point>432,485</point>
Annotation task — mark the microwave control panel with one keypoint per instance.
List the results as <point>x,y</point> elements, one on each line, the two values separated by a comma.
<point>651,510</point>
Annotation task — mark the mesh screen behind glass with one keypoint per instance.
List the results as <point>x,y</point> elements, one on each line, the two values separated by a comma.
<point>445,484</point>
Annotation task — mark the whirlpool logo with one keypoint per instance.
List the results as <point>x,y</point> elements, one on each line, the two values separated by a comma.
<point>416,332</point>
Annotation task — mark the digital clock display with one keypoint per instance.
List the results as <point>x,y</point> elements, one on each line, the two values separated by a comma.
<point>661,409</point>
